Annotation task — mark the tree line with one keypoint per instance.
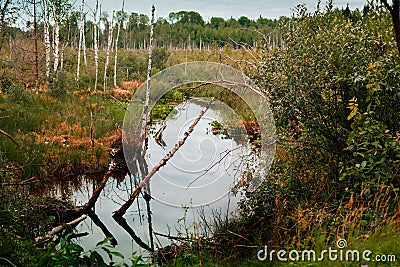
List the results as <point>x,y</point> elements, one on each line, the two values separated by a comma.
<point>53,26</point>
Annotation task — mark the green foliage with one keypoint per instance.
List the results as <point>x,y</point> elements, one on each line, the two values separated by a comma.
<point>323,65</point>
<point>375,147</point>
<point>72,254</point>
<point>333,87</point>
<point>59,85</point>
<point>160,58</point>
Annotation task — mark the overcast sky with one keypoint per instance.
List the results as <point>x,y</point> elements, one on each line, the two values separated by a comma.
<point>217,8</point>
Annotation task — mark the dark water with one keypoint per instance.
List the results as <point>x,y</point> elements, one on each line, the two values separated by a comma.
<point>183,182</point>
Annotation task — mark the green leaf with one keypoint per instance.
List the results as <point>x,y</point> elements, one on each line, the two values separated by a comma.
<point>63,243</point>
<point>106,240</point>
<point>117,254</point>
<point>44,260</point>
<point>363,164</point>
<point>75,247</point>
<point>108,252</point>
<point>351,136</point>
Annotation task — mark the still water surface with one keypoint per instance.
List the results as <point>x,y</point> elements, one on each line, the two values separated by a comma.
<point>184,181</point>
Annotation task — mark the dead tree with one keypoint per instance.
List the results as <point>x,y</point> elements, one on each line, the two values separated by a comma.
<point>109,46</point>
<point>119,24</point>
<point>96,48</point>
<point>81,37</point>
<point>394,10</point>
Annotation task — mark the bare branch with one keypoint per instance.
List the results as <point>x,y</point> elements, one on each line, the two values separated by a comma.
<point>172,237</point>
<point>227,152</point>
<point>9,136</point>
<point>122,222</point>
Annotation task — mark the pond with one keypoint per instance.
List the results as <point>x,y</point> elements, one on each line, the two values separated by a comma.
<point>195,185</point>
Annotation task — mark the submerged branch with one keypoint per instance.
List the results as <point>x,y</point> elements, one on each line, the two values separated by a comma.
<point>121,211</point>
<point>122,222</point>
<point>92,215</point>
<point>96,193</point>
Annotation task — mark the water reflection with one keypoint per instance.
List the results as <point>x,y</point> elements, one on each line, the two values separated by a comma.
<point>196,181</point>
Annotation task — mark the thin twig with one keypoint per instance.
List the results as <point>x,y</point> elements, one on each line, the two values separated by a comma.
<point>235,234</point>
<point>8,261</point>
<point>121,103</point>
<point>25,182</point>
<point>9,136</point>
<point>173,237</point>
<point>227,152</point>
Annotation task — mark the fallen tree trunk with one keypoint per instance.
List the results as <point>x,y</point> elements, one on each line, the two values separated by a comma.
<point>121,211</point>
<point>42,239</point>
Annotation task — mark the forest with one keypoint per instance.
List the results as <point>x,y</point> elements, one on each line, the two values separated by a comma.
<point>69,75</point>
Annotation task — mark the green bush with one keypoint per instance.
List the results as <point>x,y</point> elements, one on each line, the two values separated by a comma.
<point>59,84</point>
<point>333,87</point>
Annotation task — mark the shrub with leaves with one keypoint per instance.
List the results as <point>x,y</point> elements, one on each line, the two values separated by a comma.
<point>333,86</point>
<point>72,254</point>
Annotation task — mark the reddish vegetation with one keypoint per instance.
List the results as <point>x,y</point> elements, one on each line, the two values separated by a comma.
<point>130,84</point>
<point>37,87</point>
<point>121,93</point>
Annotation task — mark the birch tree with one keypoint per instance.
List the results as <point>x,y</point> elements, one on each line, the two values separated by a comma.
<point>95,47</point>
<point>47,35</point>
<point>121,16</point>
<point>109,44</point>
<point>81,36</point>
<point>59,10</point>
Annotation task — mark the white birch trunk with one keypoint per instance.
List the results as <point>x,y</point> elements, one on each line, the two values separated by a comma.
<point>79,56</point>
<point>78,68</point>
<point>56,44</point>
<point>109,44</point>
<point>116,55</point>
<point>116,46</point>
<point>96,49</point>
<point>47,36</point>
<point>62,58</point>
